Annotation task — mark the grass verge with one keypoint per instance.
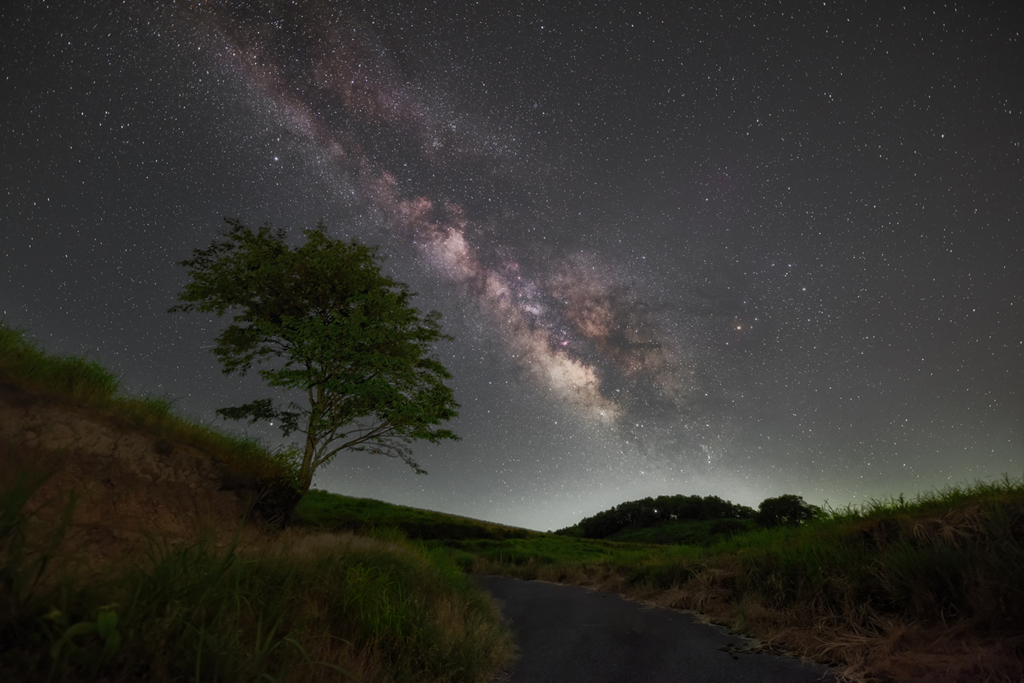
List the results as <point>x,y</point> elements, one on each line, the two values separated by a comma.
<point>292,605</point>
<point>686,532</point>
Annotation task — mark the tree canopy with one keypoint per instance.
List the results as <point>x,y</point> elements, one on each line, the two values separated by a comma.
<point>788,509</point>
<point>322,319</point>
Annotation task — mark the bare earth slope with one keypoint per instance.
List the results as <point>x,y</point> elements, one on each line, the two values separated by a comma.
<point>128,484</point>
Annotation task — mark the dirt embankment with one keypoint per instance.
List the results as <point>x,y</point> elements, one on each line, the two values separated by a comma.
<point>129,486</point>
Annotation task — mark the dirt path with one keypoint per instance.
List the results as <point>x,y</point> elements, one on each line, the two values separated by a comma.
<point>568,633</point>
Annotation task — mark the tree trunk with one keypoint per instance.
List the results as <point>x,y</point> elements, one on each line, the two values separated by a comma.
<point>306,473</point>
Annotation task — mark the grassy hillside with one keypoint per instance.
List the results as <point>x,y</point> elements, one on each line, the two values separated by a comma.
<point>292,605</point>
<point>331,512</point>
<point>686,532</point>
<point>79,382</point>
<point>689,520</point>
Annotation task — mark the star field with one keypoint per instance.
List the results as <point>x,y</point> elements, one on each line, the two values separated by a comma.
<point>736,249</point>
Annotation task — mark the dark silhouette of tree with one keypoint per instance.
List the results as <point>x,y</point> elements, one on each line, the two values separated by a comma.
<point>653,511</point>
<point>787,509</point>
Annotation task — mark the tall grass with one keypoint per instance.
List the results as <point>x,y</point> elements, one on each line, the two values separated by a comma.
<point>281,610</point>
<point>291,606</point>
<point>940,558</point>
<point>73,377</point>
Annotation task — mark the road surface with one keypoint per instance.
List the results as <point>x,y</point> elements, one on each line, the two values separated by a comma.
<point>569,634</point>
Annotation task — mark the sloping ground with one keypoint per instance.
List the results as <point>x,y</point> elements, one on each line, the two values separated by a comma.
<point>925,596</point>
<point>685,532</point>
<point>128,485</point>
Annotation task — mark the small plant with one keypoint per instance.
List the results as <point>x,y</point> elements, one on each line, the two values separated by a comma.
<point>76,645</point>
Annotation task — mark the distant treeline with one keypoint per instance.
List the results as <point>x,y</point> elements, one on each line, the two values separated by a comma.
<point>649,512</point>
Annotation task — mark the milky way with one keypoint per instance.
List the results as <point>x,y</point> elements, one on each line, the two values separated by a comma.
<point>576,331</point>
<point>738,249</point>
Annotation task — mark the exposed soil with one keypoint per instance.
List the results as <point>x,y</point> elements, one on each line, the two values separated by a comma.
<point>128,485</point>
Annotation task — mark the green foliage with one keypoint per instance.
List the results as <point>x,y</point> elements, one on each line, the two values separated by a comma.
<point>322,319</point>
<point>23,595</point>
<point>689,520</point>
<point>75,644</point>
<point>702,533</point>
<point>940,558</point>
<point>954,556</point>
<point>787,509</point>
<point>555,549</point>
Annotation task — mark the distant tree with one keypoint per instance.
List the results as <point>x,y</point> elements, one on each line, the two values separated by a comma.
<point>322,319</point>
<point>786,509</point>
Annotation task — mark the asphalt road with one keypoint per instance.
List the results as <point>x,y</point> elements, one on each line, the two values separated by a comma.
<point>569,634</point>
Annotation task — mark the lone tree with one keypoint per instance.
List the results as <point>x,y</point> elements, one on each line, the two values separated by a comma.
<point>321,318</point>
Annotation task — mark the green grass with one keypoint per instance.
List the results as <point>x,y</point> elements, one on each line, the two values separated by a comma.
<point>550,557</point>
<point>856,584</point>
<point>924,559</point>
<point>939,557</point>
<point>332,512</point>
<point>863,586</point>
<point>871,587</point>
<point>686,532</point>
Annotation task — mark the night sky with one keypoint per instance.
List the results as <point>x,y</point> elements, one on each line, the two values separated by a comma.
<point>728,248</point>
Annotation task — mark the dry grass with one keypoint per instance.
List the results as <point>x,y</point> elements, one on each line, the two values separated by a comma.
<point>941,607</point>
